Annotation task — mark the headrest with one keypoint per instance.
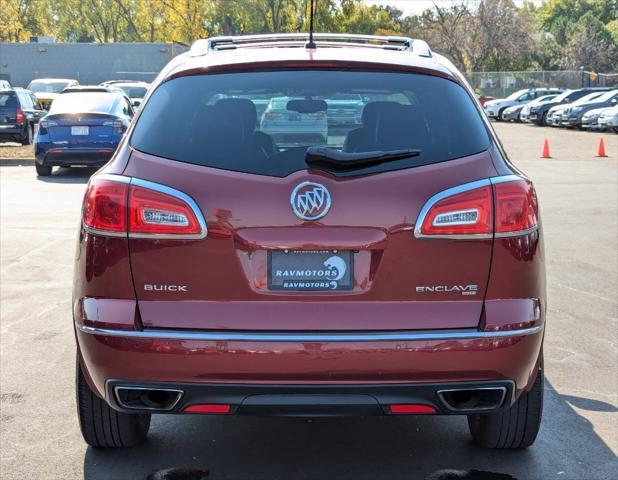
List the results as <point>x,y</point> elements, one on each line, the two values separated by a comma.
<point>239,109</point>
<point>371,110</point>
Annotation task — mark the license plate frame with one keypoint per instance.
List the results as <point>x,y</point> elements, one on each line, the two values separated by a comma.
<point>80,130</point>
<point>323,267</point>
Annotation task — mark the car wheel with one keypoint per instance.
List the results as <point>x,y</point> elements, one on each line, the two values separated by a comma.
<point>544,119</point>
<point>27,140</point>
<point>101,425</point>
<point>43,170</point>
<point>512,428</point>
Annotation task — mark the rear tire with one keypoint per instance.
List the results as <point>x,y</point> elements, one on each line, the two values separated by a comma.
<point>43,170</point>
<point>512,428</point>
<point>544,120</point>
<point>27,140</point>
<point>101,425</point>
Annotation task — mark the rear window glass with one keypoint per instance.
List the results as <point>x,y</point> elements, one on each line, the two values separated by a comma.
<point>134,92</point>
<point>264,122</point>
<point>47,87</point>
<point>8,99</point>
<point>96,102</point>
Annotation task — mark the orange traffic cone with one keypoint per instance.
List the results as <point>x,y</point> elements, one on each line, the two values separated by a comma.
<point>545,153</point>
<point>601,151</point>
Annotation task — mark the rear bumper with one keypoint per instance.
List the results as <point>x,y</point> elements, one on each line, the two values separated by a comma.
<point>313,400</point>
<point>66,157</point>
<point>11,131</point>
<point>213,362</point>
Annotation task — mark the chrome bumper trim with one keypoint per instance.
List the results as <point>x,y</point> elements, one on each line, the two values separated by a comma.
<point>427,335</point>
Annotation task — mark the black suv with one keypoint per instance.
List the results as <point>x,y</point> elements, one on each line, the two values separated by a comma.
<point>19,113</point>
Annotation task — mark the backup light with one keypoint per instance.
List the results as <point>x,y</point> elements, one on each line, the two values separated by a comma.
<point>465,217</point>
<point>159,217</point>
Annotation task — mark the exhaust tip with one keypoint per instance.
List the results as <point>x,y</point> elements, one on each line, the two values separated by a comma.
<point>147,398</point>
<point>472,399</point>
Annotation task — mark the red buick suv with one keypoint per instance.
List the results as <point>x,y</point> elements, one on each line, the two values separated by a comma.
<point>236,258</point>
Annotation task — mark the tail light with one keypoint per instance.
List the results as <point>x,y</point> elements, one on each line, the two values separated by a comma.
<point>20,116</point>
<point>105,206</point>
<point>516,207</point>
<point>47,124</point>
<point>272,115</point>
<point>504,206</point>
<point>155,212</point>
<point>119,206</point>
<point>117,125</point>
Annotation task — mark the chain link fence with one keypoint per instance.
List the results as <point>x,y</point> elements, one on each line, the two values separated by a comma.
<point>502,84</point>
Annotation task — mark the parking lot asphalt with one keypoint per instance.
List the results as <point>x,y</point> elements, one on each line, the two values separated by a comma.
<point>39,435</point>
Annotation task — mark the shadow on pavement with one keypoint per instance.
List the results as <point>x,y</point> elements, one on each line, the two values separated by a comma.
<point>16,162</point>
<point>411,448</point>
<point>68,175</point>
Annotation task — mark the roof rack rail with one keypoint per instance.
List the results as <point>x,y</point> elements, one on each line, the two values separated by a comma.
<point>204,46</point>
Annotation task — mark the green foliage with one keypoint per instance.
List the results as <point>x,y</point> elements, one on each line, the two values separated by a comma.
<point>474,34</point>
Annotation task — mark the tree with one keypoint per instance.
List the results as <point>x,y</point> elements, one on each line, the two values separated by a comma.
<point>590,45</point>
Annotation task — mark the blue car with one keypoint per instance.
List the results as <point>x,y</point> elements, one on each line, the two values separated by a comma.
<point>81,129</point>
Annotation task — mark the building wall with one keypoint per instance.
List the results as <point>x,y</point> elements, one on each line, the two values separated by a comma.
<point>89,63</point>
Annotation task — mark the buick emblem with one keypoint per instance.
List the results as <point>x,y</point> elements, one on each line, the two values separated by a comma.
<point>310,201</point>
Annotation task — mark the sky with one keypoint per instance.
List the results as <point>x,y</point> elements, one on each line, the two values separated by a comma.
<point>417,6</point>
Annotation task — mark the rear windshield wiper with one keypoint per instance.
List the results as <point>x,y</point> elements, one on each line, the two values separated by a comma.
<point>336,159</point>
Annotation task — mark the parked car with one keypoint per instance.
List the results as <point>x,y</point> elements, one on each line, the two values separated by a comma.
<point>291,127</point>
<point>91,89</point>
<point>608,119</point>
<point>483,99</point>
<point>556,114</point>
<point>344,110</point>
<point>511,114</point>
<point>81,129</point>
<point>525,113</point>
<point>572,116</point>
<point>539,113</point>
<point>19,115</point>
<point>4,85</point>
<point>46,89</point>
<point>494,108</point>
<point>135,91</point>
<point>590,119</point>
<point>221,271</point>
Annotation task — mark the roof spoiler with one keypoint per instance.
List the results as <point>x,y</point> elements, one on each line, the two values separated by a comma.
<point>406,44</point>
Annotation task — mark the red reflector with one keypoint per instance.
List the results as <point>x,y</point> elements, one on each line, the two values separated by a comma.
<point>105,206</point>
<point>206,408</point>
<point>516,206</point>
<point>466,213</point>
<point>412,409</point>
<point>104,150</point>
<point>154,212</point>
<point>55,150</point>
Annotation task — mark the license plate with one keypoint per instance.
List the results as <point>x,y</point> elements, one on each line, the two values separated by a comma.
<point>310,270</point>
<point>79,130</point>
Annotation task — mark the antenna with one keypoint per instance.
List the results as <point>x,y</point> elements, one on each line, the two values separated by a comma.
<point>311,44</point>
